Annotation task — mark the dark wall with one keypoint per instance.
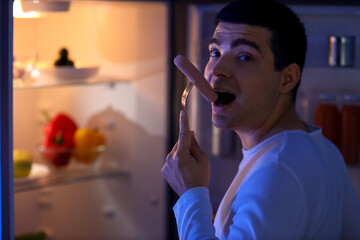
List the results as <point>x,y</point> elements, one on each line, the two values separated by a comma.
<point>295,2</point>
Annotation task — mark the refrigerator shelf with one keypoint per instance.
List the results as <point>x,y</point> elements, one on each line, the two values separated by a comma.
<point>19,84</point>
<point>63,177</point>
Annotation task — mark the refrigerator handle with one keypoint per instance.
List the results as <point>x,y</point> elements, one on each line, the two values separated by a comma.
<point>223,142</point>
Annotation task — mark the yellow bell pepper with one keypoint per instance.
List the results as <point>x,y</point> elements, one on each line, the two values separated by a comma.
<point>86,142</point>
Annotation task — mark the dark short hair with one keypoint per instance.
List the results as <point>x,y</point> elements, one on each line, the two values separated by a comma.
<point>288,41</point>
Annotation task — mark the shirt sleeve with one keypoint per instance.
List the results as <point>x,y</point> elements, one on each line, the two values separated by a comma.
<point>193,212</point>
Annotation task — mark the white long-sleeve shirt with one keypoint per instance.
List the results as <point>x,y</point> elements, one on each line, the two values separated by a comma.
<point>294,185</point>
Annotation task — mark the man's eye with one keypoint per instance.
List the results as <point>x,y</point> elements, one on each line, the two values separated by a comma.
<point>214,53</point>
<point>245,58</point>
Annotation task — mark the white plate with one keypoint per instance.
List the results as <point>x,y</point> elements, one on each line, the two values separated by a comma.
<point>76,73</point>
<point>37,171</point>
<point>46,71</point>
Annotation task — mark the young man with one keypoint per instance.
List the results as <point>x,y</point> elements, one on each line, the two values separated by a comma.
<point>292,182</point>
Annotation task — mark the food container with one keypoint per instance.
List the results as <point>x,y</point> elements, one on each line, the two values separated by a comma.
<point>350,129</point>
<point>327,116</point>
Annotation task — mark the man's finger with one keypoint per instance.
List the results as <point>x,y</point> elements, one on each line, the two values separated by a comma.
<point>196,150</point>
<point>174,149</point>
<point>184,135</point>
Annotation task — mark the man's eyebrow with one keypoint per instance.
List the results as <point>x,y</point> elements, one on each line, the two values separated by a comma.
<point>214,40</point>
<point>237,42</point>
<point>242,41</point>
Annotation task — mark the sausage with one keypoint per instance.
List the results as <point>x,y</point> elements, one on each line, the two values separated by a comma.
<point>194,75</point>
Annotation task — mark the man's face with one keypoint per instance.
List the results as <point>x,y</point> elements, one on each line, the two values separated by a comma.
<point>242,63</point>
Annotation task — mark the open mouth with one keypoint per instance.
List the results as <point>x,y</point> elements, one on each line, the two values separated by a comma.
<point>224,98</point>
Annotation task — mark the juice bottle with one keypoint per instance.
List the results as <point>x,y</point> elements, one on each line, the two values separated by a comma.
<point>350,129</point>
<point>327,116</point>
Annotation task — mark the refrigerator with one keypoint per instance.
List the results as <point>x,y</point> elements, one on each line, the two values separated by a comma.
<point>122,195</point>
<point>321,22</point>
<point>130,100</point>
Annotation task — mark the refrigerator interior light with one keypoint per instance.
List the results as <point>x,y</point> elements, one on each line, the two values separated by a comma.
<point>19,13</point>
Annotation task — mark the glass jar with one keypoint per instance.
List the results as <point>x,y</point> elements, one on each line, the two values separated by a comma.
<point>327,116</point>
<point>350,129</point>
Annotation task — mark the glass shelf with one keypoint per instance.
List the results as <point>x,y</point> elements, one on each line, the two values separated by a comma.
<point>19,84</point>
<point>63,177</point>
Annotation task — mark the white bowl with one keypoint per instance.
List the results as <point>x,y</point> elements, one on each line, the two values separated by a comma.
<point>61,157</point>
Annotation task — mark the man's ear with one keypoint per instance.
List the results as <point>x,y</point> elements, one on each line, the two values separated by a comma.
<point>290,76</point>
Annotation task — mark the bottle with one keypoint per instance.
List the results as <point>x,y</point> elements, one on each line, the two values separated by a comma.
<point>302,105</point>
<point>327,116</point>
<point>350,129</point>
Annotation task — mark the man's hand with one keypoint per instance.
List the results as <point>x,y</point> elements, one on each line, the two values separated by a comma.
<point>187,166</point>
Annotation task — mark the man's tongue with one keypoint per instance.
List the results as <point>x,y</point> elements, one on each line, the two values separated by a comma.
<point>224,98</point>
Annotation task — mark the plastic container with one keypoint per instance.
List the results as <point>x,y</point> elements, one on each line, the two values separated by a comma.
<point>327,116</point>
<point>350,129</point>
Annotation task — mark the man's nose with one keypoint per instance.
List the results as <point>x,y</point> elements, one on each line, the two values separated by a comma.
<point>221,67</point>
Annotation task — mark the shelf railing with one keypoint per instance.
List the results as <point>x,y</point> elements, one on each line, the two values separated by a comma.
<point>66,176</point>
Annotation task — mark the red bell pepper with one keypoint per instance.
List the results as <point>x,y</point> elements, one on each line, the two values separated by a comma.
<point>58,139</point>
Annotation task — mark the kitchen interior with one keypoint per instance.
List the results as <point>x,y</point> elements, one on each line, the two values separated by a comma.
<point>124,85</point>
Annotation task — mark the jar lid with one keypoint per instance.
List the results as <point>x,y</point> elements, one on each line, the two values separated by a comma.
<point>352,97</point>
<point>327,96</point>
